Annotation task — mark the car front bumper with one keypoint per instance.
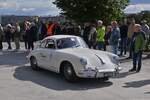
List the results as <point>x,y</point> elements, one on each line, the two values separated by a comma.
<point>89,73</point>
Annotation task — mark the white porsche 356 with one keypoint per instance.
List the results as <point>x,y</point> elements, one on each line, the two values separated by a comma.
<point>70,56</point>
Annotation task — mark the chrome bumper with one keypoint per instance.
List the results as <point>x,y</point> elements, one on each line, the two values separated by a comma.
<point>89,73</point>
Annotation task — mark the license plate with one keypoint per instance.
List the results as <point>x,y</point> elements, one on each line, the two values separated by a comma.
<point>108,74</point>
<point>100,75</point>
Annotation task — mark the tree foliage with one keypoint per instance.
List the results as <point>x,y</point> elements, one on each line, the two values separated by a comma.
<point>89,10</point>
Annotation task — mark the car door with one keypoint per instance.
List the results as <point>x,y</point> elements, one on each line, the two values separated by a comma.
<point>47,55</point>
<point>40,54</point>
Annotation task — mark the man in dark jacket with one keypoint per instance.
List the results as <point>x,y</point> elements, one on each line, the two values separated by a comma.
<point>31,36</point>
<point>123,35</point>
<point>8,35</point>
<point>43,30</point>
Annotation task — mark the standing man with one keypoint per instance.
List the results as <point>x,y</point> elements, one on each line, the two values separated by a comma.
<point>50,29</point>
<point>115,36</point>
<point>130,34</point>
<point>43,30</point>
<point>17,36</point>
<point>1,37</point>
<point>123,35</point>
<point>137,48</point>
<point>100,35</point>
<point>8,35</point>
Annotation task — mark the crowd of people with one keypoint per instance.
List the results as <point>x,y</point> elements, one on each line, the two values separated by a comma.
<point>121,37</point>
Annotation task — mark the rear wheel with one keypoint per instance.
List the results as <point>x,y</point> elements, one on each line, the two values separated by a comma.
<point>33,63</point>
<point>69,73</point>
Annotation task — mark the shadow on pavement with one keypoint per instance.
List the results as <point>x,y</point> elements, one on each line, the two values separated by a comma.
<point>12,58</point>
<point>137,84</point>
<point>124,74</point>
<point>54,81</point>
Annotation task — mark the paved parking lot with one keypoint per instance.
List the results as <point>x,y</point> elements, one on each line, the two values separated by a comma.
<point>19,82</point>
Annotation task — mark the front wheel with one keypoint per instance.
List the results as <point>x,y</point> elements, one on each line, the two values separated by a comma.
<point>105,79</point>
<point>69,73</point>
<point>33,63</point>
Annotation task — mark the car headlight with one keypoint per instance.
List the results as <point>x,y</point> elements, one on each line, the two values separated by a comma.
<point>83,61</point>
<point>115,60</point>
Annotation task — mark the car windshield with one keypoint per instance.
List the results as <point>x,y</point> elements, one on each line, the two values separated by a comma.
<point>68,43</point>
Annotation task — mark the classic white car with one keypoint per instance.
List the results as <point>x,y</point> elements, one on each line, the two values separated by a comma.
<point>70,56</point>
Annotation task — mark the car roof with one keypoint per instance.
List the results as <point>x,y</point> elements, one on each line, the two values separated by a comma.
<point>56,37</point>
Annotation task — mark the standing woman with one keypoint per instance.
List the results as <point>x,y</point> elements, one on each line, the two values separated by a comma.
<point>107,37</point>
<point>32,36</point>
<point>17,36</point>
<point>92,37</point>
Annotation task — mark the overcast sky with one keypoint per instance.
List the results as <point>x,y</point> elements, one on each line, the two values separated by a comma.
<point>45,7</point>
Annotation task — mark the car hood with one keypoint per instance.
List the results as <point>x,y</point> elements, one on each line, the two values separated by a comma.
<point>95,58</point>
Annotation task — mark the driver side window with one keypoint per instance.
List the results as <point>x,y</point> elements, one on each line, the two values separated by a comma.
<point>50,44</point>
<point>43,43</point>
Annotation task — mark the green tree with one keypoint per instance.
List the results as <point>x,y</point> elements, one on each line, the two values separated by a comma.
<point>89,10</point>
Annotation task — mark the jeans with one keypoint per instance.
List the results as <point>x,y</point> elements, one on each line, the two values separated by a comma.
<point>114,49</point>
<point>137,59</point>
<point>100,45</point>
<point>123,46</point>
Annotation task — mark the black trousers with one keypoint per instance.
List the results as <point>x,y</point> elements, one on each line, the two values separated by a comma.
<point>8,40</point>
<point>1,45</point>
<point>30,45</point>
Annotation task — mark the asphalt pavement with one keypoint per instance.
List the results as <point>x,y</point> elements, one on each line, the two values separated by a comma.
<point>19,82</point>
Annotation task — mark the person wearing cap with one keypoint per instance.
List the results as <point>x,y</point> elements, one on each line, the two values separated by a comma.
<point>115,36</point>
<point>137,45</point>
<point>100,35</point>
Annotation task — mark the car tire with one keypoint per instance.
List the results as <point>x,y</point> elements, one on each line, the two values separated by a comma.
<point>69,73</point>
<point>105,79</point>
<point>33,63</point>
